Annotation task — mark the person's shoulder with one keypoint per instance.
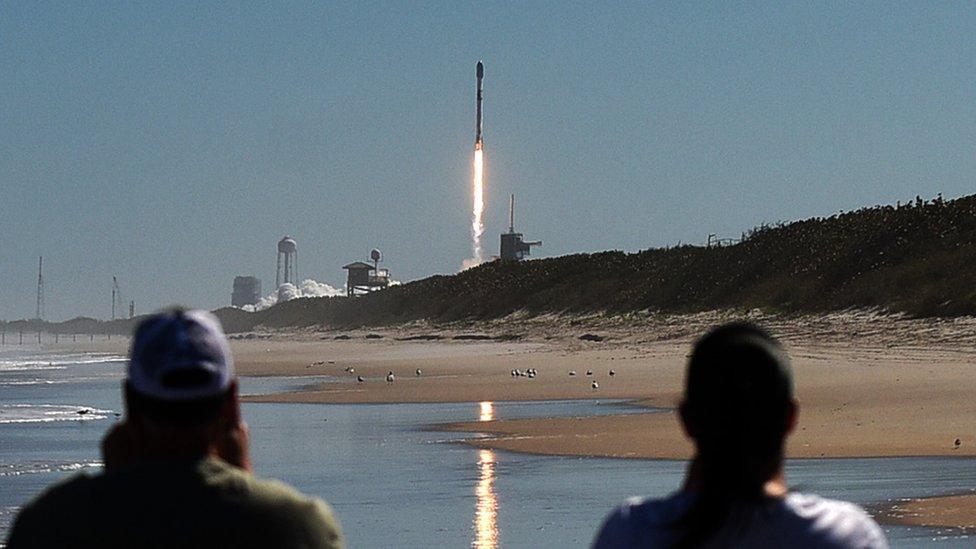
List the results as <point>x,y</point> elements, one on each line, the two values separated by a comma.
<point>68,492</point>
<point>278,499</point>
<point>639,521</point>
<point>841,522</point>
<point>66,500</point>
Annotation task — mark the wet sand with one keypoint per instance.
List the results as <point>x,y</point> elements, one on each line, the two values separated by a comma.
<point>945,511</point>
<point>855,402</point>
<point>868,384</point>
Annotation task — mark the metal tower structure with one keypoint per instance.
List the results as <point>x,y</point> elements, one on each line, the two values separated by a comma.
<point>513,245</point>
<point>287,272</point>
<point>40,288</point>
<point>115,295</point>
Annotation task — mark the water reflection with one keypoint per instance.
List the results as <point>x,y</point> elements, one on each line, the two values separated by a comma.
<point>487,412</point>
<point>486,512</point>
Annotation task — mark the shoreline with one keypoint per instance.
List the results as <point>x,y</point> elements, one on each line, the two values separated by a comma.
<point>956,511</point>
<point>869,385</point>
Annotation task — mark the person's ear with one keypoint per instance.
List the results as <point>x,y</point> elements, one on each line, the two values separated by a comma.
<point>792,416</point>
<point>131,404</point>
<point>687,423</point>
<point>230,412</point>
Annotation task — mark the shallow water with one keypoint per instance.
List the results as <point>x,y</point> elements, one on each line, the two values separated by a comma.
<point>394,483</point>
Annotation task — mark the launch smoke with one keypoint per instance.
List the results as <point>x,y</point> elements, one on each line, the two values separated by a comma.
<point>477,211</point>
<point>288,291</point>
<point>308,288</point>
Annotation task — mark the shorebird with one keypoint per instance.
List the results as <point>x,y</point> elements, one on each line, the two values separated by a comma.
<point>389,377</point>
<point>513,373</point>
<point>595,385</point>
<point>531,374</point>
<point>612,373</point>
<point>958,444</point>
<point>572,372</point>
<point>360,379</point>
<point>589,372</point>
<point>419,371</point>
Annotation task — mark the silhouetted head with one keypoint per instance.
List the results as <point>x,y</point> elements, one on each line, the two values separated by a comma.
<point>738,392</point>
<point>180,369</point>
<point>738,408</point>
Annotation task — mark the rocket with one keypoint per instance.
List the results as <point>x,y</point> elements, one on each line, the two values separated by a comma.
<point>477,134</point>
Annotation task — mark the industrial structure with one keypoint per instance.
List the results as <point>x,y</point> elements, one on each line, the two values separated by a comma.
<point>513,247</point>
<point>116,296</point>
<point>40,288</point>
<point>247,291</point>
<point>287,262</point>
<point>363,278</point>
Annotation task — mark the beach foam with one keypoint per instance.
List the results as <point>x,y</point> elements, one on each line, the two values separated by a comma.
<point>46,413</point>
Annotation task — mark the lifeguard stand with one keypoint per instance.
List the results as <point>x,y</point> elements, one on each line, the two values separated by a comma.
<point>363,278</point>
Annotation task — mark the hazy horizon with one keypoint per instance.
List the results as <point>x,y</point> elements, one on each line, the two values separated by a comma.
<point>173,147</point>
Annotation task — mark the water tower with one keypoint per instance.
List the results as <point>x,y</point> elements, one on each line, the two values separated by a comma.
<point>287,262</point>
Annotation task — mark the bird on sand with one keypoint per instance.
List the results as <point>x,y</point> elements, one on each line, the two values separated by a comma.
<point>360,379</point>
<point>419,371</point>
<point>389,377</point>
<point>595,385</point>
<point>612,373</point>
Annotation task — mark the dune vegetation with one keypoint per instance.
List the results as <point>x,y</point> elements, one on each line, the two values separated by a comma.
<point>917,258</point>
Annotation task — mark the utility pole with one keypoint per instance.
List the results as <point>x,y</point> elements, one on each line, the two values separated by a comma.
<point>40,288</point>
<point>115,291</point>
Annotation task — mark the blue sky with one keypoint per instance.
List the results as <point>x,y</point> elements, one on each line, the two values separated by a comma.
<point>172,144</point>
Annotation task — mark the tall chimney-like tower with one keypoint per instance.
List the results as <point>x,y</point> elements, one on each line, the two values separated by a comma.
<point>40,288</point>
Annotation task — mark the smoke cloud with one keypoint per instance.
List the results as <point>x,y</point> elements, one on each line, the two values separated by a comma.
<point>288,291</point>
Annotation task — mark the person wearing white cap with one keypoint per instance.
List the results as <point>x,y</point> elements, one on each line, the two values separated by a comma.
<point>177,468</point>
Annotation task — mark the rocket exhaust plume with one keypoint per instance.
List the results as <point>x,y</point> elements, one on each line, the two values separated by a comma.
<point>478,184</point>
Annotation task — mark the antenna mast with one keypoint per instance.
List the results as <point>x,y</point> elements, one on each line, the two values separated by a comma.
<point>40,288</point>
<point>115,293</point>
<point>511,213</point>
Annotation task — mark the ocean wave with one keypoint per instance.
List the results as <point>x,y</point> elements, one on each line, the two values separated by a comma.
<point>47,413</point>
<point>36,467</point>
<point>13,382</point>
<point>56,362</point>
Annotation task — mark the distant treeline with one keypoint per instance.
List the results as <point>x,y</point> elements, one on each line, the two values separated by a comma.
<point>918,258</point>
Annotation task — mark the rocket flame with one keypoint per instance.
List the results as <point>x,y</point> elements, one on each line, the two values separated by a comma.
<point>478,207</point>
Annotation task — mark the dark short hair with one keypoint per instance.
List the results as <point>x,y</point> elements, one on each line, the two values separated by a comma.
<point>177,413</point>
<point>738,373</point>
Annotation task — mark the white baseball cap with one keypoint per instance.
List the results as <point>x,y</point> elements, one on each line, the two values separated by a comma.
<point>180,355</point>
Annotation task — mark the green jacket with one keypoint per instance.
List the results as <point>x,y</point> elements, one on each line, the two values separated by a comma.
<point>201,503</point>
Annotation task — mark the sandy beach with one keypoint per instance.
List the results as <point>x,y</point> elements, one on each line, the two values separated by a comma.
<point>957,511</point>
<point>869,385</point>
